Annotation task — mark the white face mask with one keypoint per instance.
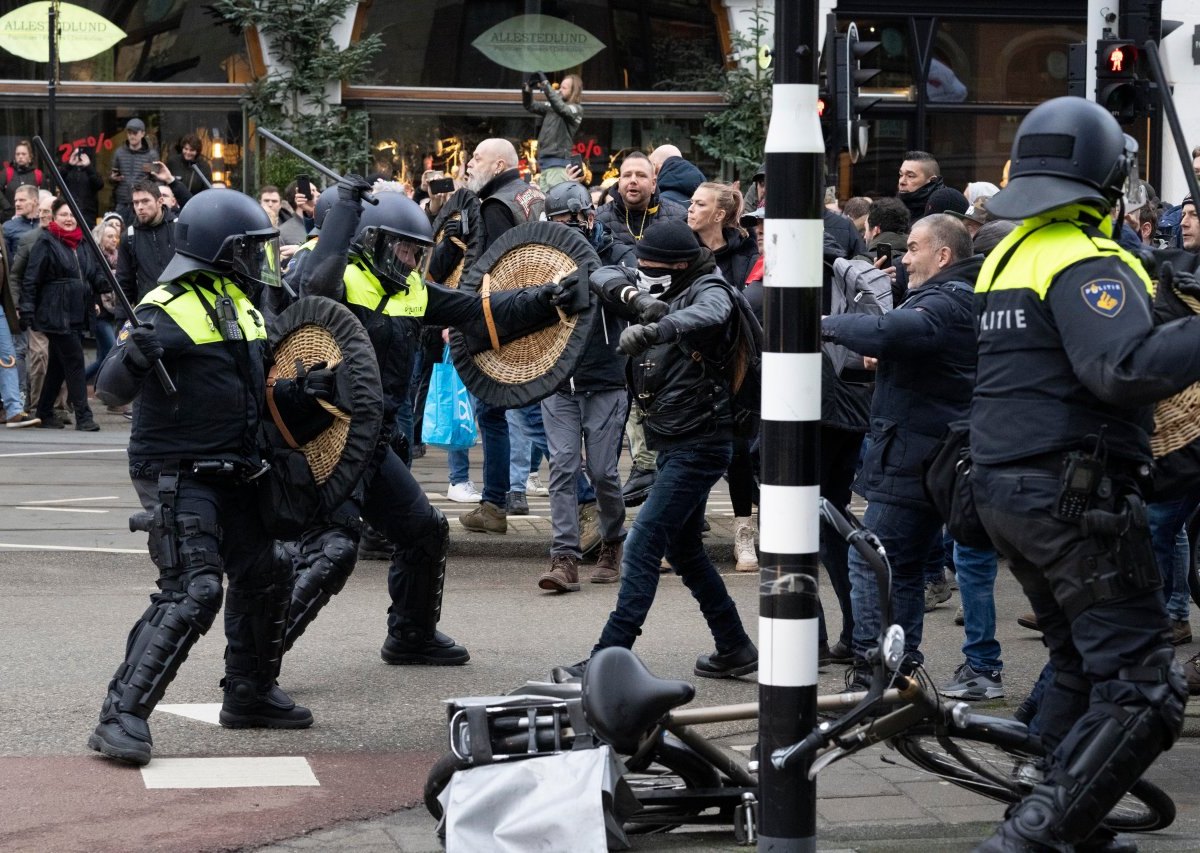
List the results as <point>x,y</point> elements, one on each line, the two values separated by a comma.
<point>653,283</point>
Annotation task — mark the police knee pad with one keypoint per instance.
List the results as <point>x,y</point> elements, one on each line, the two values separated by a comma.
<point>330,560</point>
<point>202,601</point>
<point>1161,680</point>
<point>431,542</point>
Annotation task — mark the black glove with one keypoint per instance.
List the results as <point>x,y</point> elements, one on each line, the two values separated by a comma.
<point>1181,281</point>
<point>452,228</point>
<point>638,338</point>
<point>650,309</point>
<point>318,381</point>
<point>352,188</point>
<point>143,346</point>
<point>574,293</point>
<point>25,322</point>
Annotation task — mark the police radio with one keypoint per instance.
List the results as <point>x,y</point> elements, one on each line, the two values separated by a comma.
<point>231,330</point>
<point>1082,478</point>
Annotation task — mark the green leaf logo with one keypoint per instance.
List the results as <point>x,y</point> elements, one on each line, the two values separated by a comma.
<point>537,43</point>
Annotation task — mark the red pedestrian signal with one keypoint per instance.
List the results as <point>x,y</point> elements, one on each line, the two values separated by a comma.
<point>1115,60</point>
<point>820,107</point>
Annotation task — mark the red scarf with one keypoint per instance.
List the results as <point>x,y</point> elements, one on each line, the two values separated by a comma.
<point>71,238</point>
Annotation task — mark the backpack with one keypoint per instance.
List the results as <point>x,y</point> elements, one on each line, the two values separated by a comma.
<point>741,371</point>
<point>857,287</point>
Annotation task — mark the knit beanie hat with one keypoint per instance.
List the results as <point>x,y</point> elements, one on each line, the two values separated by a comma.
<point>668,242</point>
<point>946,199</point>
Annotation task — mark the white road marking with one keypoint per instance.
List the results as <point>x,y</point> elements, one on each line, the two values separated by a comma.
<point>18,546</point>
<point>205,712</point>
<point>68,500</point>
<point>229,772</point>
<point>61,509</point>
<point>63,452</point>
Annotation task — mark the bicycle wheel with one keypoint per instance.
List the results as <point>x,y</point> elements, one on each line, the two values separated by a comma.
<point>662,782</point>
<point>1005,765</point>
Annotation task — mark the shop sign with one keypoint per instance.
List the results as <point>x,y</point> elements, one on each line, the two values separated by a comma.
<point>537,43</point>
<point>24,32</point>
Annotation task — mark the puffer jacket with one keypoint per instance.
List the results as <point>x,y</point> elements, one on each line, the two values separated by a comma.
<point>626,225</point>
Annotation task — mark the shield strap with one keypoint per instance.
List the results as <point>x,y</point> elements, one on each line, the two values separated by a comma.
<point>485,291</point>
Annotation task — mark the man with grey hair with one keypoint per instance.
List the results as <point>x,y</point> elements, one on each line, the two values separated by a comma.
<point>925,356</point>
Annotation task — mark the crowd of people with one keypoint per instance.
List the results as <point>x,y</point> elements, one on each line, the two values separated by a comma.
<point>1060,298</point>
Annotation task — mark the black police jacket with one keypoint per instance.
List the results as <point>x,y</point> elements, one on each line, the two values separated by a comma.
<point>682,396</point>
<point>221,384</point>
<point>926,352</point>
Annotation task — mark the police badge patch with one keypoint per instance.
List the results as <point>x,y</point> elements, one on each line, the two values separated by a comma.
<point>1105,296</point>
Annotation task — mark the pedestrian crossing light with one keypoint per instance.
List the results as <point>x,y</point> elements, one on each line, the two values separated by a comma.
<point>1119,88</point>
<point>850,51</point>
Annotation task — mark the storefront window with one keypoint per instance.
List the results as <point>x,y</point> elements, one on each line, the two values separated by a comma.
<point>893,58</point>
<point>972,147</point>
<point>167,41</point>
<point>1000,62</point>
<point>655,44</point>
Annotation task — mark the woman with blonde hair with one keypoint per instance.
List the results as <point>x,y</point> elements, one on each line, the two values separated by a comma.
<point>714,215</point>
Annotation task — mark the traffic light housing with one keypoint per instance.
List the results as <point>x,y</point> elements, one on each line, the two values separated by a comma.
<point>849,51</point>
<point>1120,88</point>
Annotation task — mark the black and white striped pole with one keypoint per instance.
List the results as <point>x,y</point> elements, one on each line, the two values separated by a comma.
<point>791,414</point>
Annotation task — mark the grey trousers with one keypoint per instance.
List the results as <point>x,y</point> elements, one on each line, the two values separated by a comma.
<point>592,423</point>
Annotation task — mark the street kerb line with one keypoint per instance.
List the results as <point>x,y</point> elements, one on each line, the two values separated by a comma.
<point>68,500</point>
<point>63,452</point>
<point>17,546</point>
<point>61,509</point>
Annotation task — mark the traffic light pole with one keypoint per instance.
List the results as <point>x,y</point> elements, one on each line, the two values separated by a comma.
<point>1168,105</point>
<point>791,413</point>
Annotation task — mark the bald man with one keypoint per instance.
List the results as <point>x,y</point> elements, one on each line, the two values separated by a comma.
<point>677,178</point>
<point>507,200</point>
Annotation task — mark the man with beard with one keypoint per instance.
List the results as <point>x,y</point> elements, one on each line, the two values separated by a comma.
<point>919,179</point>
<point>148,244</point>
<point>505,202</point>
<point>674,340</point>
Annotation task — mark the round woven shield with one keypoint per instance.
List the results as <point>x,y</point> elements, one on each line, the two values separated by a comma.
<point>316,329</point>
<point>462,207</point>
<point>529,368</point>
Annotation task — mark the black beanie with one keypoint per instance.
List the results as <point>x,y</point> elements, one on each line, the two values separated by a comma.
<point>946,198</point>
<point>668,243</point>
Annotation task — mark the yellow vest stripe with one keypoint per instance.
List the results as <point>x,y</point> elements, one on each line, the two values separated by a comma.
<point>363,288</point>
<point>190,315</point>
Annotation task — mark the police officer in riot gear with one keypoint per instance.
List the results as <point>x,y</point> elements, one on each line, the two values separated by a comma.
<point>193,457</point>
<point>368,258</point>
<point>1068,349</point>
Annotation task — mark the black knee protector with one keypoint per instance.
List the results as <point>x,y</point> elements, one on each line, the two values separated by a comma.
<point>328,558</point>
<point>431,544</point>
<point>255,620</point>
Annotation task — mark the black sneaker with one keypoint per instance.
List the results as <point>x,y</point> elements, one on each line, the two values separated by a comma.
<point>87,424</point>
<point>517,504</point>
<point>438,650</point>
<point>839,652</point>
<point>742,661</point>
<point>637,487</point>
<point>248,707</point>
<point>50,422</point>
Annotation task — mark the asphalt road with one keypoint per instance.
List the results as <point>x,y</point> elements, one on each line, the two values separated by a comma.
<point>74,580</point>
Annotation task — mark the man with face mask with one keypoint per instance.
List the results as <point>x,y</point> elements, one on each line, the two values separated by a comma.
<point>684,321</point>
<point>192,457</point>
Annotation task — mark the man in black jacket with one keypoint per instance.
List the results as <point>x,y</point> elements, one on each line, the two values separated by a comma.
<point>84,182</point>
<point>148,244</point>
<point>919,179</point>
<point>677,334</point>
<point>926,356</point>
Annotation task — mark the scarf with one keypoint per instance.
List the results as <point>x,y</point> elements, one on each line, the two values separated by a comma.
<point>71,238</point>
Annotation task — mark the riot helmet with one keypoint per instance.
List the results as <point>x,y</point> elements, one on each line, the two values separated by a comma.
<point>392,236</point>
<point>324,202</point>
<point>570,199</point>
<point>1067,150</point>
<point>228,233</point>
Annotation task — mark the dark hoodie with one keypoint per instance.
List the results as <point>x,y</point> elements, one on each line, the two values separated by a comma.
<point>678,179</point>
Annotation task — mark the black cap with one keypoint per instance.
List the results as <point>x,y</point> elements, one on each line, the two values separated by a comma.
<point>668,243</point>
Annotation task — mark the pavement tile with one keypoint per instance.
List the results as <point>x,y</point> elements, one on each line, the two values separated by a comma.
<point>872,810</point>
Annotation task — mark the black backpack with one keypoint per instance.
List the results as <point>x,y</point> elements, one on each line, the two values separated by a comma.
<point>741,370</point>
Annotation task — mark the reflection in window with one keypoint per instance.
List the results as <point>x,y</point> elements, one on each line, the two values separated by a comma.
<point>1006,62</point>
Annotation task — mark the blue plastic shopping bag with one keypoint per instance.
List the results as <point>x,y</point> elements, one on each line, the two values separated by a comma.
<point>449,419</point>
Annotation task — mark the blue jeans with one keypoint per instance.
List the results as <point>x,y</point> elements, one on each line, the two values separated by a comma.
<point>671,523</point>
<point>10,379</point>
<point>976,570</point>
<point>105,339</point>
<point>494,426</point>
<point>525,432</point>
<point>909,535</point>
<point>459,464</point>
<point>1168,522</point>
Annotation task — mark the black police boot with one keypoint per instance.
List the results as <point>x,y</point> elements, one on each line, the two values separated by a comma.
<point>122,736</point>
<point>741,661</point>
<point>252,703</point>
<point>415,583</point>
<point>373,546</point>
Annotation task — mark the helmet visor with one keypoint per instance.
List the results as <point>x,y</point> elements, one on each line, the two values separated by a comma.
<point>391,254</point>
<point>257,259</point>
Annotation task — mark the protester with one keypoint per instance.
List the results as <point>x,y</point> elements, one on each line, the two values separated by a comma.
<point>84,183</point>
<point>676,178</point>
<point>562,114</point>
<point>919,179</point>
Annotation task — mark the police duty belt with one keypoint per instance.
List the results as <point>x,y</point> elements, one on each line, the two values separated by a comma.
<point>534,366</point>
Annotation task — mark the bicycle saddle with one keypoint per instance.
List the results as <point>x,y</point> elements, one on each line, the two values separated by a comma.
<point>622,699</point>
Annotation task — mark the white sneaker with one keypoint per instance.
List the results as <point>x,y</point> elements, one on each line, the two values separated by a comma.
<point>743,546</point>
<point>533,486</point>
<point>463,493</point>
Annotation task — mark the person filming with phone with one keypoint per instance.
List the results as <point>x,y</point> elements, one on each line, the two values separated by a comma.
<point>562,114</point>
<point>84,182</point>
<point>131,162</point>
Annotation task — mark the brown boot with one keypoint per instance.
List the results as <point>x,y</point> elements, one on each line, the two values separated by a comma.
<point>486,518</point>
<point>608,564</point>
<point>563,575</point>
